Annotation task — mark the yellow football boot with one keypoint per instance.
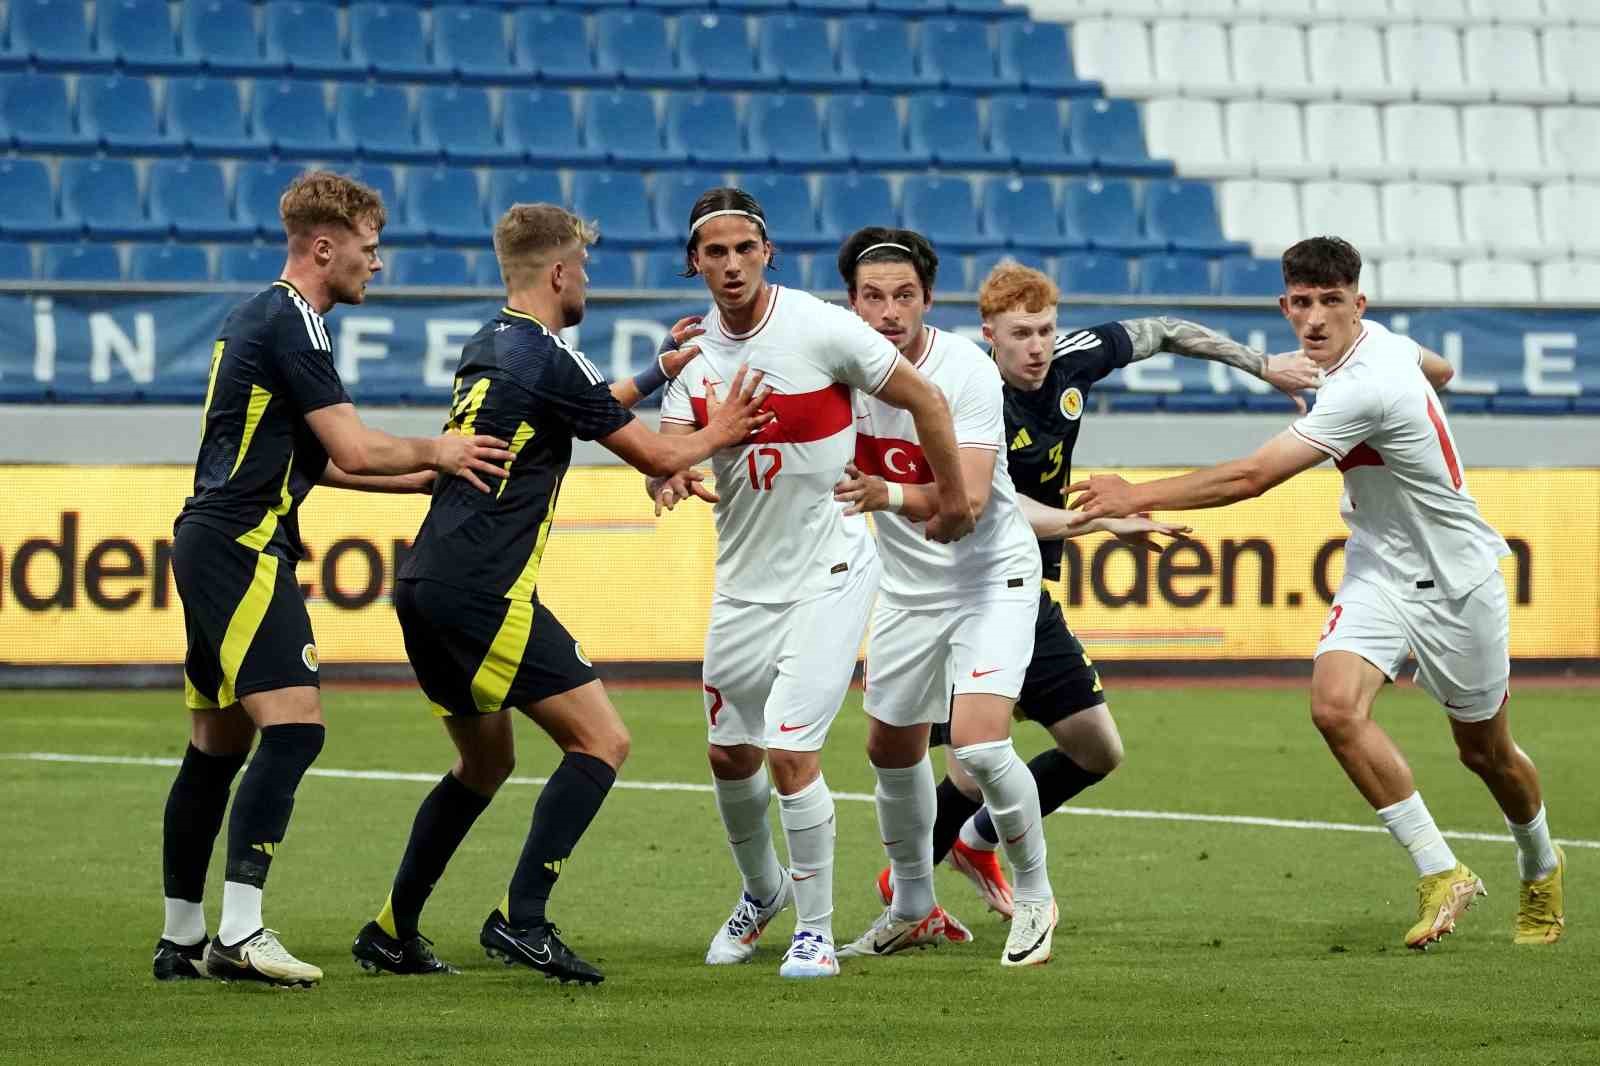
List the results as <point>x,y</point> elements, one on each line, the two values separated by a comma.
<point>1542,915</point>
<point>1441,899</point>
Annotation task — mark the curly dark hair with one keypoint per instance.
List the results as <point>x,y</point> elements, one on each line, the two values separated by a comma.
<point>913,248</point>
<point>1329,262</point>
<point>723,198</point>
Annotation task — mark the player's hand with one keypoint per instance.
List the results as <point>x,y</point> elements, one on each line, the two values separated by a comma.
<point>679,487</point>
<point>1140,531</point>
<point>1104,496</point>
<point>682,332</point>
<point>741,415</point>
<point>673,362</point>
<point>466,457</point>
<point>951,523</point>
<point>1291,373</point>
<point>861,492</point>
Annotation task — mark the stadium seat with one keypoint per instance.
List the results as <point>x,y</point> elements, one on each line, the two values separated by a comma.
<point>1571,216</point>
<point>105,194</point>
<point>540,124</point>
<point>444,202</point>
<point>303,37</point>
<point>1270,58</point>
<point>957,53</point>
<point>792,222</point>
<point>1265,134</point>
<point>1344,140</point>
<point>381,178</point>
<point>851,201</point>
<point>1100,214</point>
<point>138,34</point>
<point>674,193</point>
<point>256,190</point>
<point>427,266</point>
<point>784,128</point>
<point>117,112</point>
<point>515,185</point>
<point>793,51</point>
<point>664,270</point>
<point>1569,64</point>
<point>634,43</point>
<point>983,265</point>
<point>795,271</point>
<point>28,206</point>
<point>1025,129</point>
<point>376,120</point>
<point>555,46</point>
<point>1264,214</point>
<point>16,261</point>
<point>190,196</point>
<point>1184,215</point>
<point>1175,275</point>
<point>387,40</point>
<point>34,108</point>
<point>1093,273</point>
<point>486,271</point>
<point>1245,276</point>
<point>1190,132</point>
<point>611,269</point>
<point>1422,218</point>
<point>1426,60</point>
<point>1411,281</point>
<point>249,263</point>
<point>205,114</point>
<point>1571,138</point>
<point>1347,62</point>
<point>54,35</point>
<point>1116,52</point>
<point>620,202</point>
<point>1021,213</point>
<point>81,262</point>
<point>703,128</point>
<point>1504,219</point>
<point>1192,57</point>
<point>169,263</point>
<point>866,127</point>
<point>456,122</point>
<point>1347,208</point>
<point>1037,56</point>
<point>941,209</point>
<point>1506,60</point>
<point>222,35</point>
<point>1110,133</point>
<point>622,124</point>
<point>292,117</point>
<point>878,50</point>
<point>945,127</point>
<point>1569,281</point>
<point>1498,281</point>
<point>1425,140</point>
<point>470,42</point>
<point>714,47</point>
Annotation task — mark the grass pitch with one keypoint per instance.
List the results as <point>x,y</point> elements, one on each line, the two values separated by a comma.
<point>1179,941</point>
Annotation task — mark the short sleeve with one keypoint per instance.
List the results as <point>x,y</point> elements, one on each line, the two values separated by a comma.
<point>1341,419</point>
<point>858,355</point>
<point>675,405</point>
<point>577,392</point>
<point>312,380</point>
<point>979,411</point>
<point>1096,352</point>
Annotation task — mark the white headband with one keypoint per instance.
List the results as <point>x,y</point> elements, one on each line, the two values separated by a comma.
<point>708,216</point>
<point>885,244</point>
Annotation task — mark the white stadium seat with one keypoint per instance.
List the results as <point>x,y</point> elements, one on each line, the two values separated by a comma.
<point>1570,282</point>
<point>1504,219</point>
<point>1504,140</point>
<point>1347,141</point>
<point>1270,57</point>
<point>1569,61</point>
<point>1199,8</point>
<point>1116,52</point>
<point>1484,281</point>
<point>1192,57</point>
<point>1579,11</point>
<point>1190,131</point>
<point>1572,141</point>
<point>1293,10</point>
<point>1412,281</point>
<point>1422,218</point>
<point>1507,12</point>
<point>1506,60</point>
<point>1427,59</point>
<point>1345,209</point>
<point>1266,134</point>
<point>1264,213</point>
<point>1571,216</point>
<point>1431,10</point>
<point>1424,139</point>
<point>1347,60</point>
<point>1355,10</point>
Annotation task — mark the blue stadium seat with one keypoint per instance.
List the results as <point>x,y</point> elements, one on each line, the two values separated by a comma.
<point>1093,274</point>
<point>714,47</point>
<point>1184,214</point>
<point>1021,213</point>
<point>957,53</point>
<point>866,127</point>
<point>118,113</point>
<point>398,229</point>
<point>252,263</point>
<point>486,272</point>
<point>945,127</point>
<point>792,223</point>
<point>784,128</point>
<point>880,50</point>
<point>471,43</point>
<point>444,201</point>
<point>1243,275</point>
<point>1027,129</point>
<point>376,120</point>
<point>851,201</point>
<point>622,123</point>
<point>81,262</point>
<point>303,37</point>
<point>457,122</point>
<point>675,193</point>
<point>205,114</point>
<point>912,8</point>
<point>794,51</point>
<point>105,194</point>
<point>387,40</point>
<point>138,33</point>
<point>664,270</point>
<point>704,129</point>
<point>16,261</point>
<point>1110,132</point>
<point>634,43</point>
<point>992,9</point>
<point>222,35</point>
<point>1101,214</point>
<point>941,209</point>
<point>618,199</point>
<point>539,124</point>
<point>27,205</point>
<point>34,108</point>
<point>168,262</point>
<point>293,118</point>
<point>757,7</point>
<point>514,185</point>
<point>1038,55</point>
<point>54,34</point>
<point>555,45</point>
<point>985,262</point>
<point>611,269</point>
<point>1175,275</point>
<point>190,196</point>
<point>256,190</point>
<point>792,270</point>
<point>832,8</point>
<point>427,266</point>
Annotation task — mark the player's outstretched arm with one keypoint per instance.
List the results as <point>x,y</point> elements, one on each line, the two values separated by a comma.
<point>359,449</point>
<point>1281,458</point>
<point>1290,373</point>
<point>675,354</point>
<point>910,391</point>
<point>666,454</point>
<point>333,477</point>
<point>1437,369</point>
<point>1056,523</point>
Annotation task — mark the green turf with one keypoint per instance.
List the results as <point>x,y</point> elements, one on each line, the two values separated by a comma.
<point>1178,943</point>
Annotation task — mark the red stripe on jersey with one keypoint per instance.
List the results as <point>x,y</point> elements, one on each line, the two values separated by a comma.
<point>1444,443</point>
<point>1346,358</point>
<point>1361,455</point>
<point>802,418</point>
<point>893,459</point>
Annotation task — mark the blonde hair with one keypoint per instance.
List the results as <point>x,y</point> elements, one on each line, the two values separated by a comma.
<point>527,235</point>
<point>1011,286</point>
<point>323,198</point>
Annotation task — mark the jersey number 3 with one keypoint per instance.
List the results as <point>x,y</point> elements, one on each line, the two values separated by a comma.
<point>759,481</point>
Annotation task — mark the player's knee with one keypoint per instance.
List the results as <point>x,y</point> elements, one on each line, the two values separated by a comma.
<point>1333,711</point>
<point>1104,758</point>
<point>733,763</point>
<point>1484,763</point>
<point>485,772</point>
<point>614,746</point>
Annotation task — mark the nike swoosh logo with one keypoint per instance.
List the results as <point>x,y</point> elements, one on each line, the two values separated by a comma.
<point>878,948</point>
<point>890,843</point>
<point>1018,956</point>
<point>392,956</point>
<point>1019,836</point>
<point>1455,707</point>
<point>787,728</point>
<point>986,673</point>
<point>538,958</point>
<point>807,877</point>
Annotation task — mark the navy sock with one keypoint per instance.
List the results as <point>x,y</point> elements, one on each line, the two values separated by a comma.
<point>441,825</point>
<point>565,808</point>
<point>951,814</point>
<point>1058,779</point>
<point>266,798</point>
<point>195,807</point>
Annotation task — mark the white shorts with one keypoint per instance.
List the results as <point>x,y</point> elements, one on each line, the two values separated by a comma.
<point>919,659</point>
<point>776,673</point>
<point>1462,646</point>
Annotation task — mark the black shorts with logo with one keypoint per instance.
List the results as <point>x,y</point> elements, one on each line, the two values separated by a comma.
<point>476,654</point>
<point>244,616</point>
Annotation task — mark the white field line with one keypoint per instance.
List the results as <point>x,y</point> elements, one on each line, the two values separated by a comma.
<point>857,797</point>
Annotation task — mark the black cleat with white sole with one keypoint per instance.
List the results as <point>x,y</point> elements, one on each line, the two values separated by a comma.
<point>538,947</point>
<point>180,962</point>
<point>377,952</point>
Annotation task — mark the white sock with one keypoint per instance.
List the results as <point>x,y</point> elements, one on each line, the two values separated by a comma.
<point>906,805</point>
<point>974,839</point>
<point>1536,856</point>
<point>186,921</point>
<point>1013,800</point>
<point>808,827</point>
<point>241,912</point>
<point>743,806</point>
<point>1412,828</point>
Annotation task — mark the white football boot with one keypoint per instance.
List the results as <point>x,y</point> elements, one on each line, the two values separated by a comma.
<point>736,939</point>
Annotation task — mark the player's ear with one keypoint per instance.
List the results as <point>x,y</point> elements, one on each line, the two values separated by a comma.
<point>988,331</point>
<point>1283,304</point>
<point>1361,304</point>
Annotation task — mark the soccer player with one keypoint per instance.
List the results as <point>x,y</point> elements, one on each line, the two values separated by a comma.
<point>795,578</point>
<point>1422,577</point>
<point>276,422</point>
<point>467,596</point>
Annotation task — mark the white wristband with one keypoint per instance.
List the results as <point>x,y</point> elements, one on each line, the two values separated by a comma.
<point>897,496</point>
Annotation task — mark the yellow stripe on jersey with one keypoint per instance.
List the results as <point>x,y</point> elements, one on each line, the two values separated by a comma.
<point>524,314</point>
<point>211,388</point>
<point>194,699</point>
<point>492,683</point>
<point>465,414</point>
<point>523,435</point>
<point>258,538</point>
<point>529,578</point>
<point>245,622</point>
<point>259,398</point>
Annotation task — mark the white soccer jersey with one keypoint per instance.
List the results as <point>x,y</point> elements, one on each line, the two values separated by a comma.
<point>1001,552</point>
<point>780,535</point>
<point>1413,525</point>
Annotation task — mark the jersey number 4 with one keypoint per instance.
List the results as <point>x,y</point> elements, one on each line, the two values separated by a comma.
<point>759,481</point>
